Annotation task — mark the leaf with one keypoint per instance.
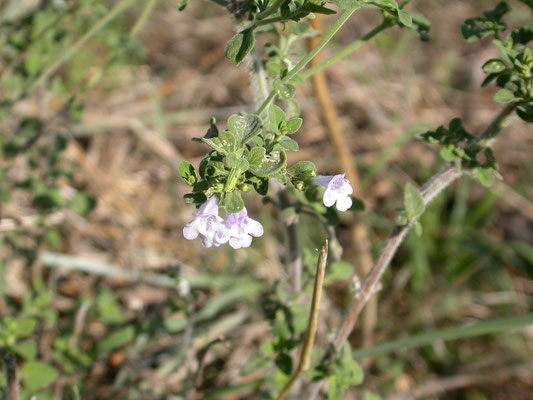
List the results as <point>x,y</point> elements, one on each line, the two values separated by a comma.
<point>245,126</point>
<point>525,112</point>
<point>405,18</point>
<point>37,375</point>
<point>235,161</point>
<point>115,340</point>
<point>413,202</point>
<point>484,176</point>
<point>371,396</point>
<point>240,46</point>
<point>284,363</point>
<point>82,203</point>
<point>493,66</point>
<point>233,202</point>
<point>335,390</point>
<point>109,308</point>
<point>269,166</point>
<point>277,117</point>
<point>418,228</point>
<point>504,96</point>
<point>293,125</point>
<point>188,173</point>
<point>303,169</point>
<point>288,144</point>
<point>182,4</point>
<point>25,327</point>
<point>225,143</point>
<point>474,29</point>
<point>447,153</point>
<point>285,91</point>
<point>387,5</point>
<point>257,156</point>
<point>26,350</point>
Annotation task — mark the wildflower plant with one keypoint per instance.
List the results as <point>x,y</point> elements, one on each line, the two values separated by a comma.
<point>251,153</point>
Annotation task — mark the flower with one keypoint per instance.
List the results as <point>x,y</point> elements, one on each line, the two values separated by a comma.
<point>208,225</point>
<point>338,190</point>
<point>241,229</point>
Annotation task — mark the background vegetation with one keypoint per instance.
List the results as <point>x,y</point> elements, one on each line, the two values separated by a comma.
<point>101,297</point>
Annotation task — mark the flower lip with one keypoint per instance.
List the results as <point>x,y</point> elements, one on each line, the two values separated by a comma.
<point>338,190</point>
<point>208,225</point>
<point>241,229</point>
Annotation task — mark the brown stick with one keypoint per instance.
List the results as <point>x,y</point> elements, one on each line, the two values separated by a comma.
<point>336,136</point>
<point>305,355</point>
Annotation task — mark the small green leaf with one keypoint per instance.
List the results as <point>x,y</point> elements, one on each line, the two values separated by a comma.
<point>257,156</point>
<point>53,238</point>
<point>188,173</point>
<point>240,46</point>
<point>233,202</point>
<point>293,125</point>
<point>25,327</point>
<point>277,117</point>
<point>285,91</point>
<point>405,18</point>
<point>26,350</point>
<point>82,203</point>
<point>418,228</point>
<point>225,143</point>
<point>484,176</point>
<point>504,96</point>
<point>493,66</point>
<point>288,144</point>
<point>109,309</point>
<point>284,363</point>
<point>269,166</point>
<point>115,340</point>
<point>525,112</point>
<point>182,4</point>
<point>413,202</point>
<point>37,375</point>
<point>303,169</point>
<point>245,126</point>
<point>234,161</point>
<point>447,153</point>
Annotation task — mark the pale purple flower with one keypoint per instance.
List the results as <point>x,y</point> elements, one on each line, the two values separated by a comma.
<point>338,190</point>
<point>208,225</point>
<point>241,229</point>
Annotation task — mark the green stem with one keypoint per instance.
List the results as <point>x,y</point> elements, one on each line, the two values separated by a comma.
<point>309,56</point>
<point>348,50</point>
<point>115,12</point>
<point>270,10</point>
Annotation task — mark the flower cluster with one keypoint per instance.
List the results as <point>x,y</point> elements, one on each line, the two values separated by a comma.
<point>237,229</point>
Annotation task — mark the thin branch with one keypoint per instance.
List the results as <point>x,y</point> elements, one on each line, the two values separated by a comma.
<point>12,389</point>
<point>309,56</point>
<point>432,188</point>
<point>295,265</point>
<point>305,355</point>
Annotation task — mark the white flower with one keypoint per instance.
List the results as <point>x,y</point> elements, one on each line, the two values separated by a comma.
<point>338,190</point>
<point>241,229</point>
<point>208,225</point>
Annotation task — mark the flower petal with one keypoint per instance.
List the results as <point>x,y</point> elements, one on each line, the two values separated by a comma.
<point>190,231</point>
<point>329,197</point>
<point>346,188</point>
<point>246,241</point>
<point>322,180</point>
<point>210,207</point>
<point>206,242</point>
<point>344,203</point>
<point>254,227</point>
<point>236,242</point>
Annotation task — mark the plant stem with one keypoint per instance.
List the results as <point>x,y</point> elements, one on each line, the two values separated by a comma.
<point>270,10</point>
<point>346,51</point>
<point>12,389</point>
<point>305,355</point>
<point>309,56</point>
<point>295,260</point>
<point>430,190</point>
